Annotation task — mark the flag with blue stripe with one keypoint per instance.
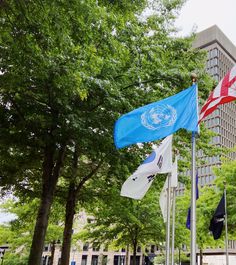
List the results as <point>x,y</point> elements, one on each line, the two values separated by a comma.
<point>159,119</point>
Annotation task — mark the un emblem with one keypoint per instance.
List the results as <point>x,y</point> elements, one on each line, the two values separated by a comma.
<point>159,117</point>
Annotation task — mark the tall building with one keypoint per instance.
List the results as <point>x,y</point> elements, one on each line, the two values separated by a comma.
<point>221,58</point>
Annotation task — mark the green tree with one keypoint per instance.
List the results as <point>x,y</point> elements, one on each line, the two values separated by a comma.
<point>18,233</point>
<point>121,222</point>
<point>69,70</point>
<point>51,56</point>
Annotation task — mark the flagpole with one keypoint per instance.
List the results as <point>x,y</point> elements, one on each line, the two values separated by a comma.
<point>168,224</point>
<point>226,229</point>
<point>193,194</point>
<point>173,228</point>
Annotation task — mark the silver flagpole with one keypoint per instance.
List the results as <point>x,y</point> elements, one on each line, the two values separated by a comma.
<point>193,204</point>
<point>168,224</point>
<point>193,194</point>
<point>173,228</point>
<point>226,229</point>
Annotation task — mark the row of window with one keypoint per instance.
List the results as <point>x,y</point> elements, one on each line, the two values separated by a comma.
<point>213,71</point>
<point>206,180</point>
<point>96,247</point>
<point>218,64</point>
<point>213,53</point>
<point>212,62</point>
<point>215,140</point>
<point>204,170</point>
<point>95,260</point>
<point>227,118</point>
<point>225,64</point>
<point>212,122</point>
<point>229,108</point>
<point>212,160</point>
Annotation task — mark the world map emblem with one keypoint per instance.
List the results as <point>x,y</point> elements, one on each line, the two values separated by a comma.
<point>159,117</point>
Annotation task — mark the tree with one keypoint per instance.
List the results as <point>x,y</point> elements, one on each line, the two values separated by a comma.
<point>18,233</point>
<point>69,70</point>
<point>48,52</point>
<point>226,179</point>
<point>122,222</point>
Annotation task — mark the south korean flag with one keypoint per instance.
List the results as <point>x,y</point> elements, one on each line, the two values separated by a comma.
<point>159,161</point>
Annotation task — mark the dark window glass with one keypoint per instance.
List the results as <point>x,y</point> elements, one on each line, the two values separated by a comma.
<point>119,260</point>
<point>94,260</point>
<point>152,248</point>
<point>84,260</point>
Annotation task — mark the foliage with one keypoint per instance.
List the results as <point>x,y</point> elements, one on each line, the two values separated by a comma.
<point>18,232</point>
<point>120,221</point>
<point>69,70</point>
<point>15,259</point>
<point>226,175</point>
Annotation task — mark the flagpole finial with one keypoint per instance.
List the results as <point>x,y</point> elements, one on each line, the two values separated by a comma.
<point>193,77</point>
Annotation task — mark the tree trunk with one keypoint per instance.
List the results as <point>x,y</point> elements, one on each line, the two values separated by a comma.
<point>52,252</point>
<point>127,255</point>
<point>72,198</point>
<point>201,257</point>
<point>67,234</point>
<point>50,177</point>
<point>134,253</point>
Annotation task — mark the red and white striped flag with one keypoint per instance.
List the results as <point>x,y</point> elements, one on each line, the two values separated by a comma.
<point>223,93</point>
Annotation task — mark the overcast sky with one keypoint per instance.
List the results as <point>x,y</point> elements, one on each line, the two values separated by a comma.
<point>202,14</point>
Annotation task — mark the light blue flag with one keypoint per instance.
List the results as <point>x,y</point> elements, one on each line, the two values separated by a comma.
<point>159,119</point>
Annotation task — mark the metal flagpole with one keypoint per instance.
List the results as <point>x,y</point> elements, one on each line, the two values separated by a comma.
<point>193,195</point>
<point>168,224</point>
<point>226,229</point>
<point>173,228</point>
<point>193,204</point>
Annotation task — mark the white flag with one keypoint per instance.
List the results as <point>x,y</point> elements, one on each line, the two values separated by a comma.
<point>173,184</point>
<point>159,161</point>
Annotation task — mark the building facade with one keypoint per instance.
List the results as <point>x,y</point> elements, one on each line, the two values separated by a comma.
<point>83,253</point>
<point>221,57</point>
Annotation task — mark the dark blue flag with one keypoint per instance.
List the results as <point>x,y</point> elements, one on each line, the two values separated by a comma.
<point>188,221</point>
<point>159,119</point>
<point>217,221</point>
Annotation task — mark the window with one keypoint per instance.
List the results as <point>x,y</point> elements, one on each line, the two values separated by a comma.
<point>84,260</point>
<point>119,260</point>
<point>152,248</point>
<point>45,260</point>
<point>86,246</point>
<point>94,260</point>
<point>137,260</point>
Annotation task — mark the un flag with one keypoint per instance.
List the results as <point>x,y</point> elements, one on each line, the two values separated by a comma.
<point>159,119</point>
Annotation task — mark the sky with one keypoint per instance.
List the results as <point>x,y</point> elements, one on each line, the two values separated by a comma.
<point>202,14</point>
<point>5,217</point>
